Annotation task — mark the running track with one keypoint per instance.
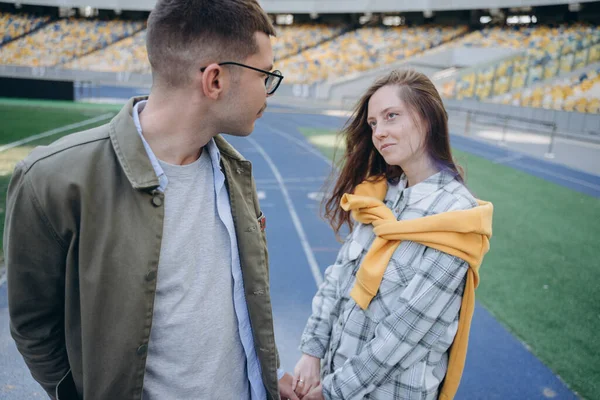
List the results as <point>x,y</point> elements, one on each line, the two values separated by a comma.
<point>289,172</point>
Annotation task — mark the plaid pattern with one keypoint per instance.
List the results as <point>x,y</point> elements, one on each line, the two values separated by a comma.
<point>398,347</point>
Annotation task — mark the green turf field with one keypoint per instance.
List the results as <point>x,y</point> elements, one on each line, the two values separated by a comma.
<point>542,274</point>
<point>24,118</point>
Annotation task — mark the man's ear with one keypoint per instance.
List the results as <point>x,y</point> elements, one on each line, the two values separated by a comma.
<point>212,81</point>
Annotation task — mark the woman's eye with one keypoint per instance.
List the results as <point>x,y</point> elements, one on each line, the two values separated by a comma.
<point>392,115</point>
<point>372,124</point>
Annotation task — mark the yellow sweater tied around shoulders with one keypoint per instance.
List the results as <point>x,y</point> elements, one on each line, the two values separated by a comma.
<point>464,234</point>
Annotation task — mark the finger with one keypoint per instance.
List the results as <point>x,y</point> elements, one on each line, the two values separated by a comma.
<point>304,389</point>
<point>293,396</point>
<point>297,382</point>
<point>310,387</point>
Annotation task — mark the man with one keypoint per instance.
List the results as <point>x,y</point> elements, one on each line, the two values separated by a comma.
<point>137,262</point>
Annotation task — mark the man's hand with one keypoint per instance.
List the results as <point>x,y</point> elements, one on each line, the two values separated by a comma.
<point>315,394</point>
<point>307,374</point>
<point>285,388</point>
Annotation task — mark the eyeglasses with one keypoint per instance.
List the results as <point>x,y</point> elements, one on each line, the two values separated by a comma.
<point>272,81</point>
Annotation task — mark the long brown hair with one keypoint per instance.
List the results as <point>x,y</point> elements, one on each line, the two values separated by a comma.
<point>361,160</point>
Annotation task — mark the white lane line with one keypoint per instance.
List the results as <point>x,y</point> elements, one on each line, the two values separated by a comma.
<point>504,160</point>
<point>294,188</point>
<point>488,156</point>
<point>562,176</point>
<point>301,143</point>
<point>312,261</point>
<point>292,180</point>
<point>56,131</point>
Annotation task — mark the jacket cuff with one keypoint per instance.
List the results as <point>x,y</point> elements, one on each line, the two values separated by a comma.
<point>314,346</point>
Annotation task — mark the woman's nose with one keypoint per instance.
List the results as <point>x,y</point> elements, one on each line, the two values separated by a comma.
<point>380,132</point>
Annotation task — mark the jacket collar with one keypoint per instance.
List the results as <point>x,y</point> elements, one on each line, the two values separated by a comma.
<point>130,150</point>
<point>227,150</point>
<point>132,155</point>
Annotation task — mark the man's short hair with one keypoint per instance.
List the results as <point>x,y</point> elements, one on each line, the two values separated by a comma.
<point>183,33</point>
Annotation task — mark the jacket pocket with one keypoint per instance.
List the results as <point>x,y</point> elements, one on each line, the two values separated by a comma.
<point>66,390</point>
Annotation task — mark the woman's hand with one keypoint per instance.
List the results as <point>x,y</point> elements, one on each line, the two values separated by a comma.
<point>315,394</point>
<point>307,375</point>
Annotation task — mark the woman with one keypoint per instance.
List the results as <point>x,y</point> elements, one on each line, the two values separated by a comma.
<point>388,310</point>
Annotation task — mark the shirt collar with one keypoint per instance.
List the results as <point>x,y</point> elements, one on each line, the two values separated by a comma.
<point>158,170</point>
<point>213,150</point>
<point>424,188</point>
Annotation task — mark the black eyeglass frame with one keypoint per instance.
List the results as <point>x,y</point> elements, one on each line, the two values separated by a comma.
<point>276,74</point>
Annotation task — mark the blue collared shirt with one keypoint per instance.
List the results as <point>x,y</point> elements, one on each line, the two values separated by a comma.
<point>257,388</point>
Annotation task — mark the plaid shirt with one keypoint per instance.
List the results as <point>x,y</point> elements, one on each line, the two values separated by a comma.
<point>398,347</point>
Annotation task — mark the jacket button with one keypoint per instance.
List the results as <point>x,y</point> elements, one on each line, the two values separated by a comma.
<point>142,350</point>
<point>150,275</point>
<point>157,201</point>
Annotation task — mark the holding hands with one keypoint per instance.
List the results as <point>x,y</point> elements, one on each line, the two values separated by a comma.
<point>307,378</point>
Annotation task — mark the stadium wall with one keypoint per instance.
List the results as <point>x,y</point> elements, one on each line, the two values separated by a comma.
<point>36,88</point>
<point>578,125</point>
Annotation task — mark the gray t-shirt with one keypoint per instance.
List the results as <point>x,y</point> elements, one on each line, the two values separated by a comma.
<point>195,350</point>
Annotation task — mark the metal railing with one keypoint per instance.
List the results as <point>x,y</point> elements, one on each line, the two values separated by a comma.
<point>502,120</point>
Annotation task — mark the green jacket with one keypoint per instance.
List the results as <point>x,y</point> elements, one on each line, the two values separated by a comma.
<point>82,241</point>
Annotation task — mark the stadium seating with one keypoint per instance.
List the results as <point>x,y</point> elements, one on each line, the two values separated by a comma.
<point>350,52</point>
<point>363,49</point>
<point>578,93</point>
<point>14,25</point>
<point>292,39</point>
<point>128,55</point>
<point>546,52</point>
<point>63,40</point>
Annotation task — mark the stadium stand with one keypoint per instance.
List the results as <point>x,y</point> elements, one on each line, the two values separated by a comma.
<point>292,39</point>
<point>579,93</point>
<point>363,49</point>
<point>130,53</point>
<point>536,72</point>
<point>14,25</point>
<point>65,39</point>
<point>545,52</point>
<point>127,55</point>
